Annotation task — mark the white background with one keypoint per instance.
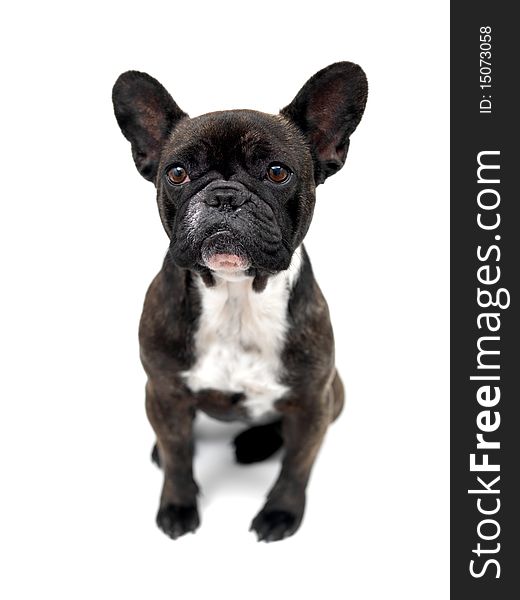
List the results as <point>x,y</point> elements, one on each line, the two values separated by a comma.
<point>81,239</point>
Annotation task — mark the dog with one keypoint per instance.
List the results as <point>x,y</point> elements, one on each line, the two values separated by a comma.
<point>234,324</point>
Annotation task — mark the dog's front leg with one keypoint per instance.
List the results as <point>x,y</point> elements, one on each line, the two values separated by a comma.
<point>303,428</point>
<point>171,416</point>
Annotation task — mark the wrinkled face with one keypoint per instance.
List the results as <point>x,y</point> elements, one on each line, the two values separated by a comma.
<point>236,189</point>
<point>235,192</point>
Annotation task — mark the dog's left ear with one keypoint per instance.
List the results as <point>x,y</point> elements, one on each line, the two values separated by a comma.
<point>327,110</point>
<point>146,114</point>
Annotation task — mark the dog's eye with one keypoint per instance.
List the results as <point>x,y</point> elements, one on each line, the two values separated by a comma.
<point>278,173</point>
<point>177,175</point>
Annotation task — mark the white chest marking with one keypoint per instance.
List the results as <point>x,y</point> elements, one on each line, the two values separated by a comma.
<point>240,337</point>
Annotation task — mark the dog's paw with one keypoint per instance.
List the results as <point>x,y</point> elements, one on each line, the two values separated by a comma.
<point>274,525</point>
<point>156,459</point>
<point>257,443</point>
<point>175,520</point>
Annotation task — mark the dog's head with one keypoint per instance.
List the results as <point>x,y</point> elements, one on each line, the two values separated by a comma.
<point>236,189</point>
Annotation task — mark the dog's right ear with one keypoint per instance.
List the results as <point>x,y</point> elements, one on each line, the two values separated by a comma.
<point>146,114</point>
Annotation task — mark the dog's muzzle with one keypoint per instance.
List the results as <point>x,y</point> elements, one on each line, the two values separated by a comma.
<point>221,252</point>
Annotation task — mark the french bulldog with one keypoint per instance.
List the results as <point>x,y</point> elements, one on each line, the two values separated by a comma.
<point>234,324</point>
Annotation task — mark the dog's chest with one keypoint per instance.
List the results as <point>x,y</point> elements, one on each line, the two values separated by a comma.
<point>239,341</point>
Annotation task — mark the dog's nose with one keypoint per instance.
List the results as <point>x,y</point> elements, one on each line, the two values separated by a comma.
<point>225,198</point>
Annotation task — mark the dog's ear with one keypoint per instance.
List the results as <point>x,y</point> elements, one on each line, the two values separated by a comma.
<point>327,110</point>
<point>146,114</point>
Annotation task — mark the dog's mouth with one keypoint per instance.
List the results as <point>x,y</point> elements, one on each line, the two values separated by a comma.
<point>222,253</point>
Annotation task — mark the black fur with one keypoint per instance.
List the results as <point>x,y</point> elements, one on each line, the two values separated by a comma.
<point>178,520</point>
<point>227,204</point>
<point>258,443</point>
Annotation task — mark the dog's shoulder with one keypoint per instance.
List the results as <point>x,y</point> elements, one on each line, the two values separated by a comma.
<point>169,317</point>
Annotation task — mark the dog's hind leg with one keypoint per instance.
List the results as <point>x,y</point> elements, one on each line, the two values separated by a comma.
<point>156,459</point>
<point>252,445</point>
<point>338,396</point>
<point>258,443</point>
